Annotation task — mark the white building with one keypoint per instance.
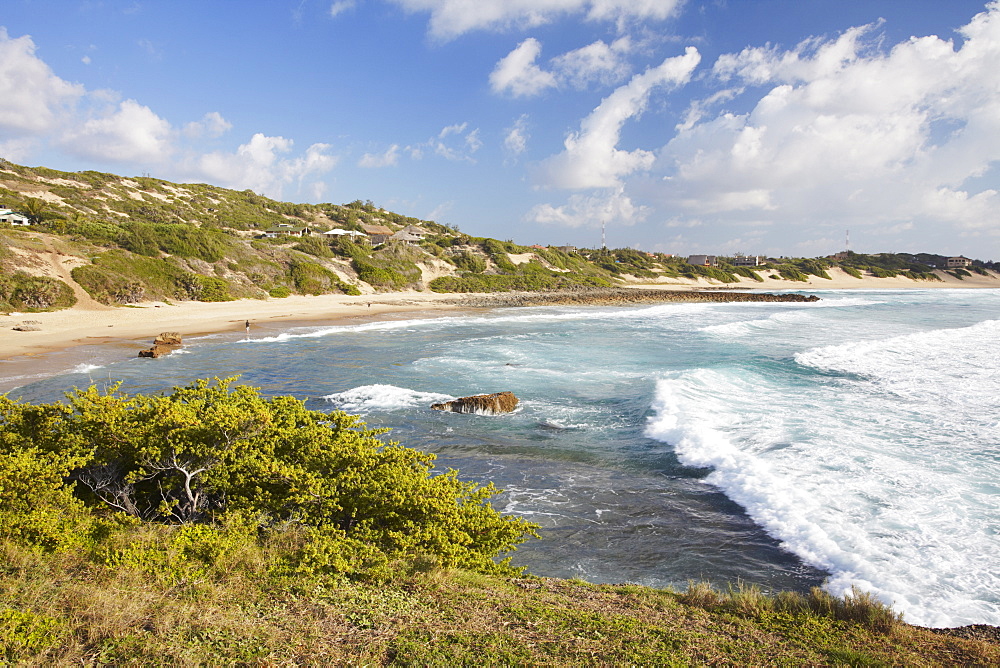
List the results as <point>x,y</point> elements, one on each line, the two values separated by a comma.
<point>13,218</point>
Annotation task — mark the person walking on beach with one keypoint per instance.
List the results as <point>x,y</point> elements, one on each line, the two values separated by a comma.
<point>248,328</point>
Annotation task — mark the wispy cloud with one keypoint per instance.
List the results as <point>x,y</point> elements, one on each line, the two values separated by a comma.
<point>388,158</point>
<point>341,6</point>
<point>452,18</point>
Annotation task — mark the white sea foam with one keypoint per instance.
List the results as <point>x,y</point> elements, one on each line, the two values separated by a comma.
<point>382,397</point>
<point>779,320</point>
<point>84,367</point>
<point>885,491</point>
<point>956,366</point>
<point>526,315</point>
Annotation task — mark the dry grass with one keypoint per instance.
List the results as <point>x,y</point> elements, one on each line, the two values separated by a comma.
<point>71,610</point>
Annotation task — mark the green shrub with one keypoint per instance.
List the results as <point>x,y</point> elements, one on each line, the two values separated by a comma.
<point>314,245</point>
<point>791,273</point>
<point>746,271</point>
<point>213,289</point>
<point>279,292</point>
<point>25,633</point>
<point>313,279</point>
<point>116,273</point>
<point>379,276</point>
<point>467,261</point>
<point>716,273</point>
<point>23,292</point>
<point>211,455</point>
<point>37,509</point>
<point>851,271</point>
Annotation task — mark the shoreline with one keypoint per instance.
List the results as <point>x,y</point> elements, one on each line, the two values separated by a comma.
<point>60,341</point>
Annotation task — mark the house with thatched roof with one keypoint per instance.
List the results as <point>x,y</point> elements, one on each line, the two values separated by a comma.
<point>377,234</point>
<point>413,230</point>
<point>406,237</point>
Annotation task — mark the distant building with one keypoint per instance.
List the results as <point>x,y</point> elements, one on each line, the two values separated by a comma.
<point>13,218</point>
<point>287,230</point>
<point>338,232</point>
<point>377,234</point>
<point>565,249</point>
<point>415,231</point>
<point>704,260</point>
<point>748,260</point>
<point>406,237</point>
<point>958,262</point>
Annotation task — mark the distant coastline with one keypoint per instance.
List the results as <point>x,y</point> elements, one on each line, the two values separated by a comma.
<point>135,326</point>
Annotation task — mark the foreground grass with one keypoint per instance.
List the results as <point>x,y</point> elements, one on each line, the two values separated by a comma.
<point>62,609</point>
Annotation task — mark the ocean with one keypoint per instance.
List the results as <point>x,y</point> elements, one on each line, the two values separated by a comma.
<point>853,441</point>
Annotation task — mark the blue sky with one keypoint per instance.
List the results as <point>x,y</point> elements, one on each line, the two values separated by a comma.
<point>685,126</point>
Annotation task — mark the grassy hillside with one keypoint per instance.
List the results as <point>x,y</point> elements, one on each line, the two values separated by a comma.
<point>137,239</point>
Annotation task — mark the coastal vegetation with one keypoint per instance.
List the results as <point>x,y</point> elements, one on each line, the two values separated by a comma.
<point>134,239</point>
<point>215,525</point>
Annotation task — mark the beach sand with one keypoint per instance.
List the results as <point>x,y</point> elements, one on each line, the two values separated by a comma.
<point>31,354</point>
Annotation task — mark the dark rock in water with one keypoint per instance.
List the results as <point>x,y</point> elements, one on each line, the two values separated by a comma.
<point>168,339</point>
<point>157,351</point>
<point>164,344</point>
<point>483,404</point>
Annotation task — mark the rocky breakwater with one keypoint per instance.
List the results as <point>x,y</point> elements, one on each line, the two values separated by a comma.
<point>164,344</point>
<point>481,404</point>
<point>624,296</point>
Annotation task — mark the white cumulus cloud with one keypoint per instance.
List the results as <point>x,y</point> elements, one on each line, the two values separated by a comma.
<point>592,210</point>
<point>592,158</point>
<point>259,165</point>
<point>598,62</point>
<point>131,133</point>
<point>33,99</point>
<point>845,131</point>
<point>518,74</point>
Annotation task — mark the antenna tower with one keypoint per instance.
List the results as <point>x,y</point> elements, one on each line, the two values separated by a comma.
<point>848,241</point>
<point>604,244</point>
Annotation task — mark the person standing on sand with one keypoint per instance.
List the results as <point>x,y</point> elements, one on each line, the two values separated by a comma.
<point>248,328</point>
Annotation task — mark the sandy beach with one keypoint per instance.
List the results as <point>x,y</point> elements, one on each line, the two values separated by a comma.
<point>29,353</point>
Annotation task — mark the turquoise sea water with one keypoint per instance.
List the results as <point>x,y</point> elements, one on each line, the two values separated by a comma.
<point>851,441</point>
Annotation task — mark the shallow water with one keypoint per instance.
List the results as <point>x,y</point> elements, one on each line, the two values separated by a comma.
<point>851,441</point>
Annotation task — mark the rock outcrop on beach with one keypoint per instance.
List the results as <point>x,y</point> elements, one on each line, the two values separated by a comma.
<point>27,326</point>
<point>168,339</point>
<point>164,344</point>
<point>482,404</point>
